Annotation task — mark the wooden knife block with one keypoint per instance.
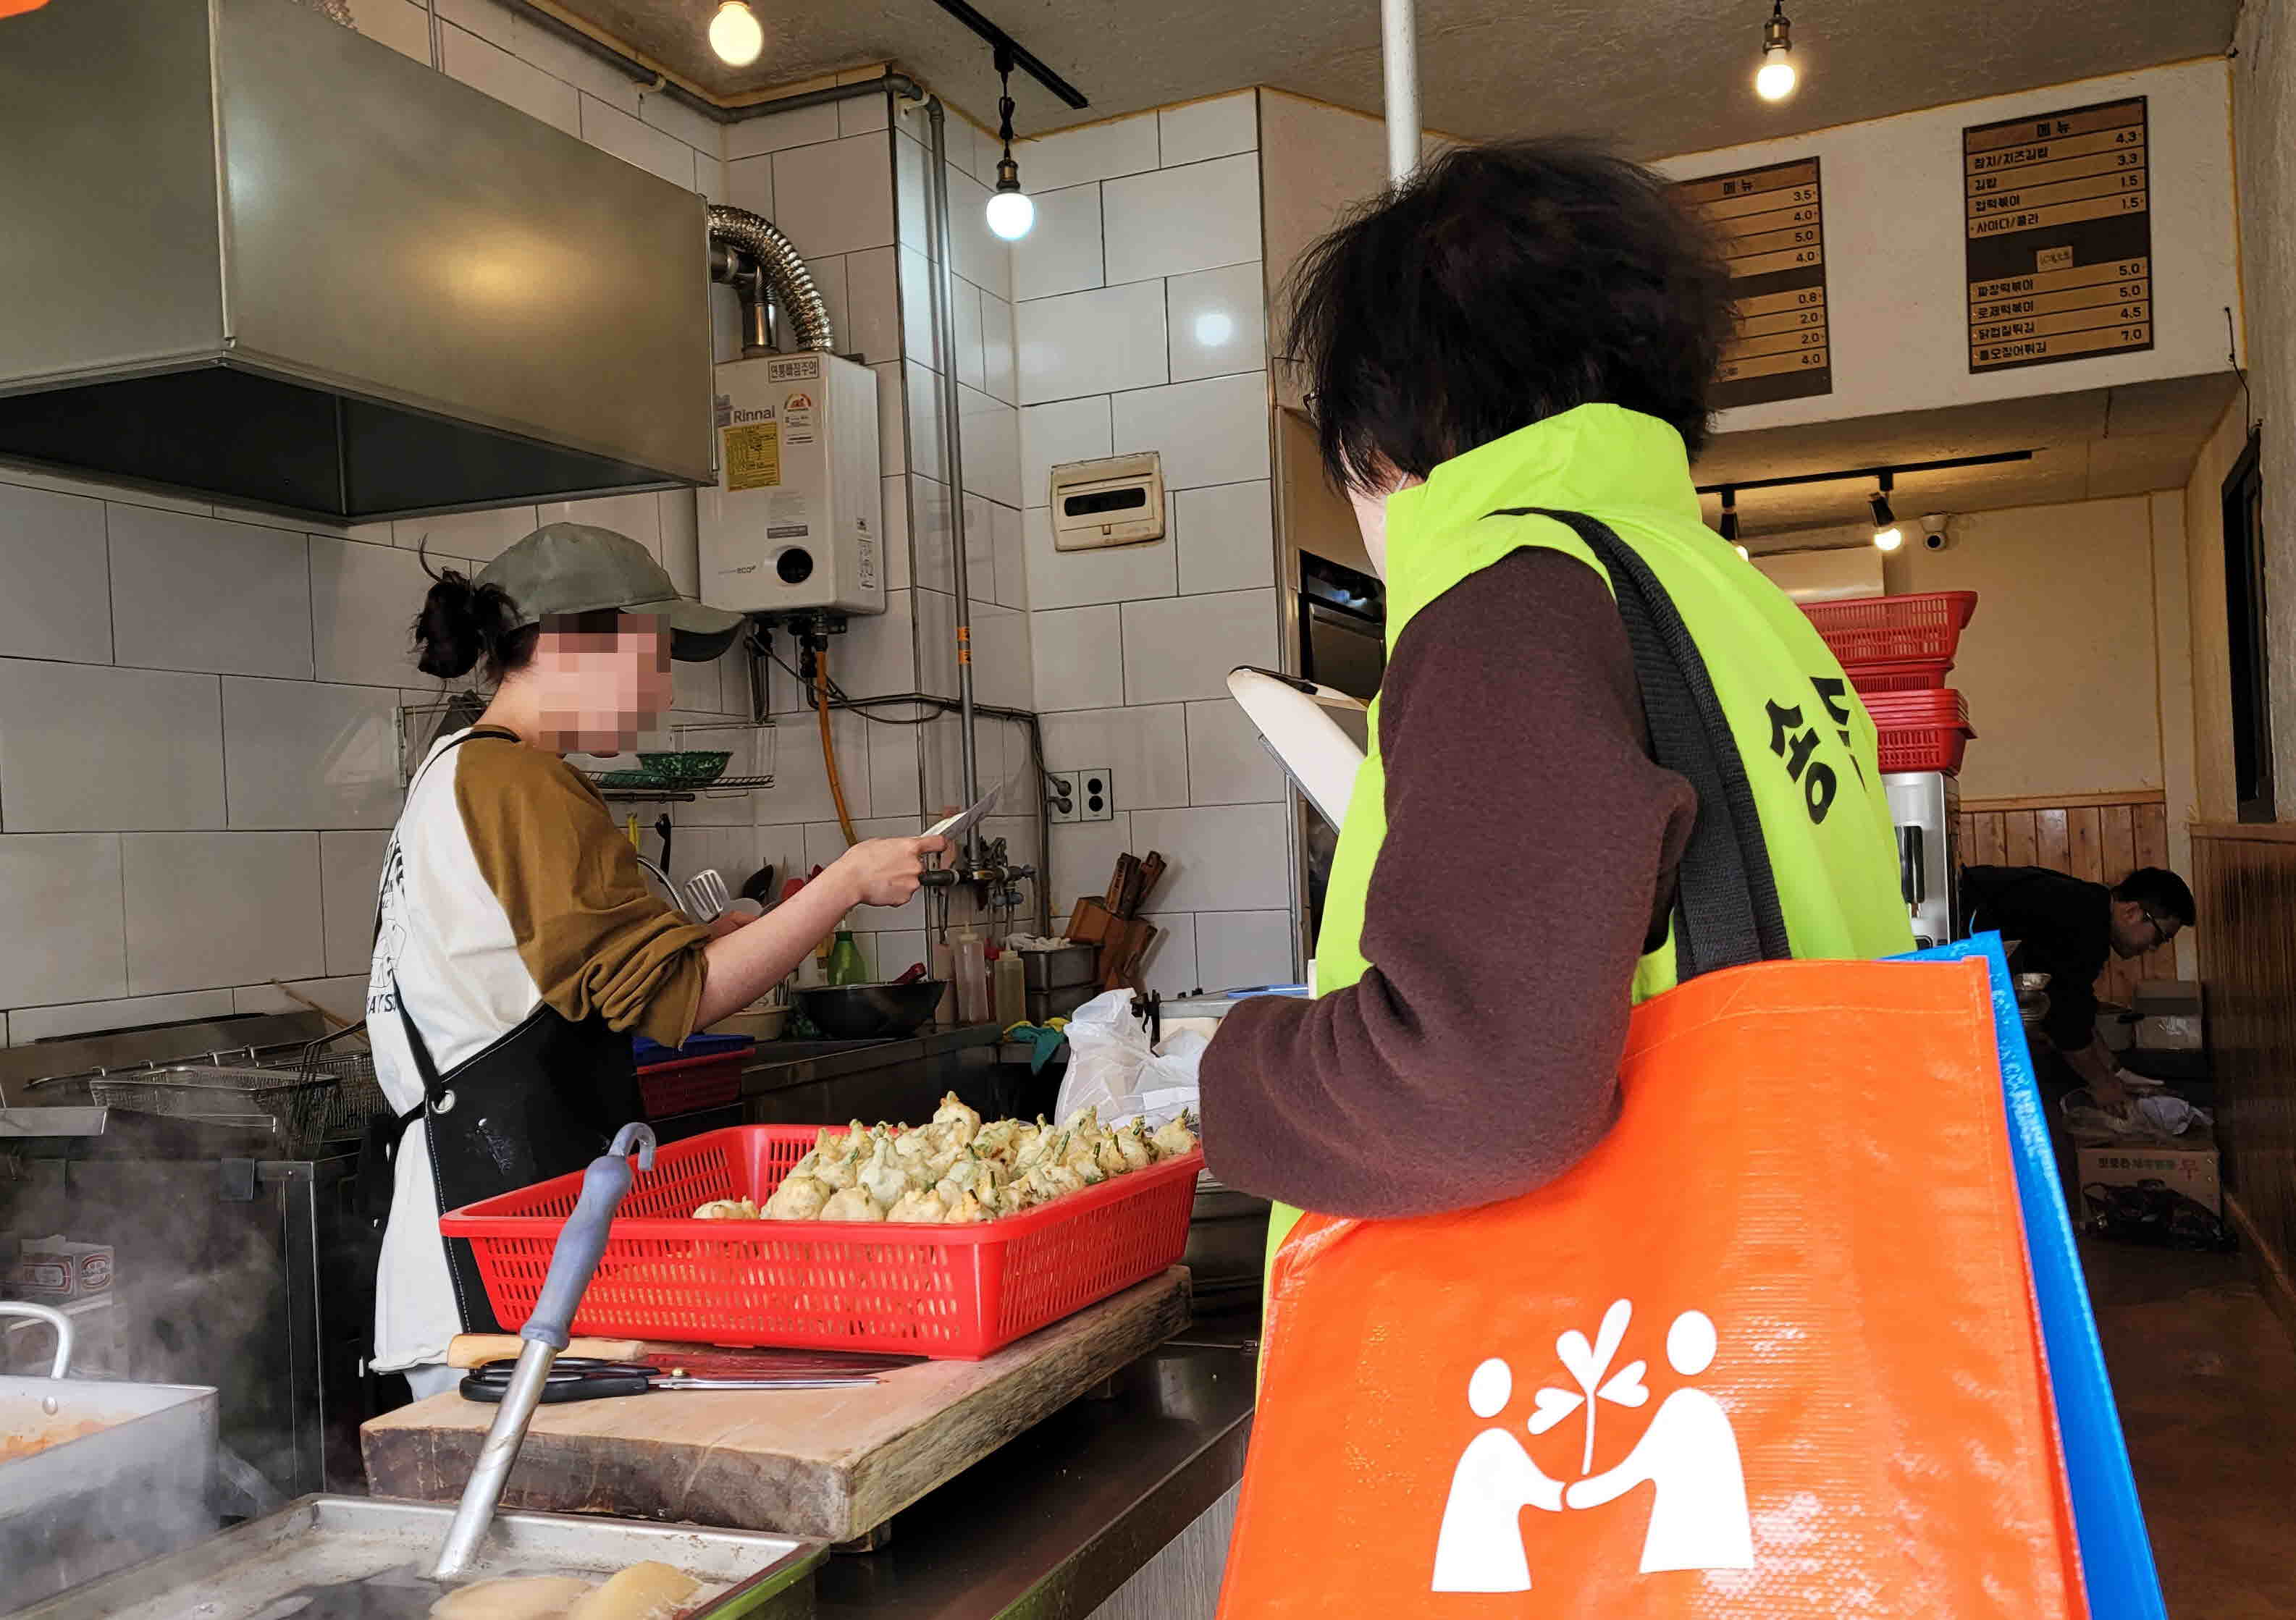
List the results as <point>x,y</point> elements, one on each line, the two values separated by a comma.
<point>1122,941</point>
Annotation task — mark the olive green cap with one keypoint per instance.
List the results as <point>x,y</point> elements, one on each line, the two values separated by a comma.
<point>577,568</point>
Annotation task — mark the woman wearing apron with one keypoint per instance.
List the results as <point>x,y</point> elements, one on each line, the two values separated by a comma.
<point>517,947</point>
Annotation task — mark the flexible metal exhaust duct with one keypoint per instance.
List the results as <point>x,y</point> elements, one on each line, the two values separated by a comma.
<point>251,256</point>
<point>752,236</point>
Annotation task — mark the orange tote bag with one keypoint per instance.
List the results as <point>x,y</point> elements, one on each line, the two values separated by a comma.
<point>1770,1352</point>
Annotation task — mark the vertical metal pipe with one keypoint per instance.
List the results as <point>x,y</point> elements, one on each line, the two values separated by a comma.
<point>952,449</point>
<point>1399,49</point>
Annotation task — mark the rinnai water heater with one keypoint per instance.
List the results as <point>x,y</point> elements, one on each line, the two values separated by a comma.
<point>797,519</point>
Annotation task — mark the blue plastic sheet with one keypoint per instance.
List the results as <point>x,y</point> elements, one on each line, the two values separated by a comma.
<point>2116,1553</point>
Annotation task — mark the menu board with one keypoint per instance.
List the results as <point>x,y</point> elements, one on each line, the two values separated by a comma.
<point>2060,237</point>
<point>1772,224</point>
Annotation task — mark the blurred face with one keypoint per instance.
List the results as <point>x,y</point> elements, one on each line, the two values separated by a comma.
<point>597,690</point>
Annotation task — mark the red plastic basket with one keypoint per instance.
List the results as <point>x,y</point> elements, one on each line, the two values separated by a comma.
<point>1893,629</point>
<point>1897,710</point>
<point>954,1293</point>
<point>683,1084</point>
<point>1923,747</point>
<point>1903,675</point>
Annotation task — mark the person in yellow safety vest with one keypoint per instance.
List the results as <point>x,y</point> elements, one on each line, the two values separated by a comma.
<point>1519,330</point>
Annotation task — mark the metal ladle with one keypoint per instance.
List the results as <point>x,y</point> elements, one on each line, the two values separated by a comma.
<point>572,1263</point>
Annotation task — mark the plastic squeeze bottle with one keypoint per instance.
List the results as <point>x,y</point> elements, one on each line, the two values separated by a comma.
<point>971,977</point>
<point>846,966</point>
<point>1008,981</point>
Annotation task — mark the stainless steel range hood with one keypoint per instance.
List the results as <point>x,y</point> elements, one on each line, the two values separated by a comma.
<point>247,253</point>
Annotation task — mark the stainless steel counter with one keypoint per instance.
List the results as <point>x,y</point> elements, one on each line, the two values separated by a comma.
<point>777,1065</point>
<point>830,1082</point>
<point>1060,1519</point>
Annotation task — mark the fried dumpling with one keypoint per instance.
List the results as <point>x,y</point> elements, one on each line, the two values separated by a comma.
<point>917,1204</point>
<point>726,1209</point>
<point>963,1122</point>
<point>799,1197</point>
<point>1132,1145</point>
<point>853,1204</point>
<point>1173,1138</point>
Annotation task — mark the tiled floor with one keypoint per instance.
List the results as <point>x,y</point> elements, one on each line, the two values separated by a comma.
<point>2206,1378</point>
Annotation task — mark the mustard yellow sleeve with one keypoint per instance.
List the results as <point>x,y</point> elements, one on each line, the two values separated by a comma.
<point>595,939</point>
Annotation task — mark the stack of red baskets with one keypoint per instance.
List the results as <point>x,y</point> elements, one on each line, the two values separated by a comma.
<point>1897,652</point>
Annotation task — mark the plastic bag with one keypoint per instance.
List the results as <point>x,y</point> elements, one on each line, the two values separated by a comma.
<point>1112,1068</point>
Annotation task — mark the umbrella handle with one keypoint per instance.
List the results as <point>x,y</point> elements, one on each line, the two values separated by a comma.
<point>582,1238</point>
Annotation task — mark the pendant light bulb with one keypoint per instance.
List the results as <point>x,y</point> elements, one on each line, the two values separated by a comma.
<point>736,33</point>
<point>1010,213</point>
<point>1774,79</point>
<point>1744,555</point>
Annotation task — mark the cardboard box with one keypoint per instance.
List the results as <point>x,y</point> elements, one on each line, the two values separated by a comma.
<point>2188,1164</point>
<point>51,1270</point>
<point>2165,1033</point>
<point>2167,998</point>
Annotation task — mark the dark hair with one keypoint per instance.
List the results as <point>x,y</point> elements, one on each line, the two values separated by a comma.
<point>464,624</point>
<point>2159,891</point>
<point>1501,285</point>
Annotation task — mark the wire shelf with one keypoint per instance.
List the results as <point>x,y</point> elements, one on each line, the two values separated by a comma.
<point>415,738</point>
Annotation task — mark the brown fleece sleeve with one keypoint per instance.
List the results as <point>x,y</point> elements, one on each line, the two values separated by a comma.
<point>1529,863</point>
<point>593,937</point>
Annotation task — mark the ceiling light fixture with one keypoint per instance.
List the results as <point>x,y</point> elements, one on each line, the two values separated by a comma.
<point>1730,518</point>
<point>1886,535</point>
<point>1010,211</point>
<point>735,35</point>
<point>1774,79</point>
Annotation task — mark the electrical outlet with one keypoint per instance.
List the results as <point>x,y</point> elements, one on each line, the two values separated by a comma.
<point>1062,795</point>
<point>1097,800</point>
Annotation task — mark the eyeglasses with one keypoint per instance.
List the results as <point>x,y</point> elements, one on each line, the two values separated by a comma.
<point>2163,929</point>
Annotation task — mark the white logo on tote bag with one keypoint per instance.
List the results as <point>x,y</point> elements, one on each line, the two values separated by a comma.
<point>1699,1518</point>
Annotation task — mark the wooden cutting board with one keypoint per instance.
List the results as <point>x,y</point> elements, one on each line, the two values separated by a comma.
<point>831,1463</point>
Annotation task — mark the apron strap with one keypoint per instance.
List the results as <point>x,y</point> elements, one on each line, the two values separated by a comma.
<point>1727,910</point>
<point>424,1066</point>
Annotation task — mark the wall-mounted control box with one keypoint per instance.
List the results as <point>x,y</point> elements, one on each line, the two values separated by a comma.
<point>1117,500</point>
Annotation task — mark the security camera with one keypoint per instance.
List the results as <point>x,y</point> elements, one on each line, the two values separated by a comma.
<point>1934,535</point>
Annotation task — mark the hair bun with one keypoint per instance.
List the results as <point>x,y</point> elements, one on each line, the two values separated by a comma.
<point>461,623</point>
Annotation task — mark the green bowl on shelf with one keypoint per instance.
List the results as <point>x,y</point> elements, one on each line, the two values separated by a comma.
<point>693,768</point>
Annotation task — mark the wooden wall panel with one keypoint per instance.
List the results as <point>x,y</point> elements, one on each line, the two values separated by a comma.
<point>2244,880</point>
<point>2101,838</point>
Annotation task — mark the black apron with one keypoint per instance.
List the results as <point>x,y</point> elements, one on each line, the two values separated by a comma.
<point>542,1100</point>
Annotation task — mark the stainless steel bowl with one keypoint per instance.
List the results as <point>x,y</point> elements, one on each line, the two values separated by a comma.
<point>871,1012</point>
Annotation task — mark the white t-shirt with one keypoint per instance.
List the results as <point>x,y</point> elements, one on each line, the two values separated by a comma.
<point>506,885</point>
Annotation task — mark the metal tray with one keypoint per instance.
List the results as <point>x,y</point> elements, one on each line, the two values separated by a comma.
<point>320,1539</point>
<point>142,1484</point>
<point>1059,970</point>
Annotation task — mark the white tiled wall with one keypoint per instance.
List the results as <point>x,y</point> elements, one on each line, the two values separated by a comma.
<point>196,704</point>
<point>197,765</point>
<point>1139,323</point>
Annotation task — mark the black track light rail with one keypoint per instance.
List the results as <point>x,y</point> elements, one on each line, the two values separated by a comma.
<point>1007,47</point>
<point>1888,472</point>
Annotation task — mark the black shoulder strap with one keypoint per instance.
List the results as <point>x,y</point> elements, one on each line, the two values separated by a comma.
<point>1727,912</point>
<point>425,1067</point>
<point>473,733</point>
